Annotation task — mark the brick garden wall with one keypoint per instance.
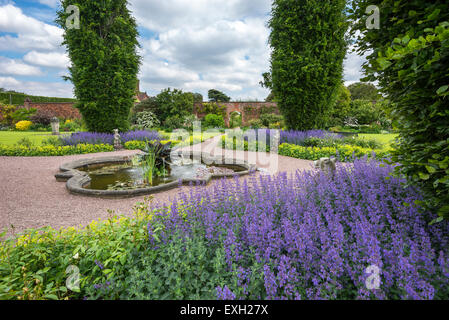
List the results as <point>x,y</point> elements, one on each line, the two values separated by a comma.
<point>64,110</point>
<point>248,110</point>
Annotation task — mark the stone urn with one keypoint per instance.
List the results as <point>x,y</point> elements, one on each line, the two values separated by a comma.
<point>54,126</point>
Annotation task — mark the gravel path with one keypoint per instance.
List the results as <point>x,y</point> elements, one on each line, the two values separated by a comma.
<point>32,198</point>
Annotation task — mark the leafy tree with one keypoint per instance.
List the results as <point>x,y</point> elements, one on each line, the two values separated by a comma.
<point>197,97</point>
<point>341,107</point>
<point>149,104</point>
<point>409,57</point>
<point>270,97</point>
<point>217,96</point>
<point>214,121</point>
<point>267,83</point>
<point>104,59</point>
<point>364,91</point>
<point>171,103</point>
<point>365,111</point>
<point>308,48</point>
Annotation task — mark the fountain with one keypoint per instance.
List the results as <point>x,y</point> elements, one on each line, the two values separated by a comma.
<point>124,176</point>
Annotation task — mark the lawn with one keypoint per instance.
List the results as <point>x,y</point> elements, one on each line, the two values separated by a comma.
<point>385,139</point>
<point>12,137</point>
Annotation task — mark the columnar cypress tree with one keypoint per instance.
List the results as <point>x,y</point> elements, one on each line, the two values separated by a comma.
<point>308,42</point>
<point>103,52</point>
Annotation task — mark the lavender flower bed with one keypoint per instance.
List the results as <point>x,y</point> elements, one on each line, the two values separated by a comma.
<point>293,136</point>
<point>302,237</point>
<point>298,137</point>
<point>108,138</point>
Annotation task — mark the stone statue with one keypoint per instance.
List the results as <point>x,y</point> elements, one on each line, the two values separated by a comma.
<point>326,165</point>
<point>117,140</point>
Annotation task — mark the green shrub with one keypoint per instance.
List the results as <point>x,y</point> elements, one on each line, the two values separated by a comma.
<point>26,142</point>
<point>33,265</point>
<point>344,153</point>
<point>214,121</point>
<point>50,150</point>
<point>147,120</point>
<point>174,122</point>
<point>212,107</point>
<point>6,112</point>
<point>269,119</point>
<point>173,106</point>
<point>140,145</point>
<point>409,58</point>
<point>255,123</point>
<point>364,111</point>
<point>23,114</point>
<point>236,144</point>
<point>52,141</point>
<point>170,272</point>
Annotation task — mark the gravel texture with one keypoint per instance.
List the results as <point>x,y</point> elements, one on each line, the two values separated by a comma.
<point>32,198</point>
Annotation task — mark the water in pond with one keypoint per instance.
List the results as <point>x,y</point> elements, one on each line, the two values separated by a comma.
<point>126,176</point>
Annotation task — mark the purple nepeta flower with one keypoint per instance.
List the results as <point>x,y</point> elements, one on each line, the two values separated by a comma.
<point>298,137</point>
<point>224,293</point>
<point>99,264</point>
<point>108,138</point>
<point>311,236</point>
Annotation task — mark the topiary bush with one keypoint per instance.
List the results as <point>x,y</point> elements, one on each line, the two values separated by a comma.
<point>307,59</point>
<point>104,61</point>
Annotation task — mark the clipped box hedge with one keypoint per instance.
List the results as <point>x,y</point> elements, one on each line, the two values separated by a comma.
<point>50,150</point>
<point>343,152</point>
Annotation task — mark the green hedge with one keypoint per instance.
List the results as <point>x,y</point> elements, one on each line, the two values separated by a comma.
<point>343,152</point>
<point>19,98</point>
<point>50,150</point>
<point>140,145</point>
<point>227,143</point>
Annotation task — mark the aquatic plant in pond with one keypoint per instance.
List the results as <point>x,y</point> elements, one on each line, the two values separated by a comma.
<point>149,163</point>
<point>306,236</point>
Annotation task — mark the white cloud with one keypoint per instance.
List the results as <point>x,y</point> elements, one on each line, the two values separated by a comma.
<point>49,59</point>
<point>194,45</point>
<point>353,67</point>
<point>168,14</point>
<point>18,68</point>
<point>31,33</point>
<point>52,89</point>
<point>50,3</point>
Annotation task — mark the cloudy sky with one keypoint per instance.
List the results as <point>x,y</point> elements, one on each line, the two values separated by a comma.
<point>194,45</point>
